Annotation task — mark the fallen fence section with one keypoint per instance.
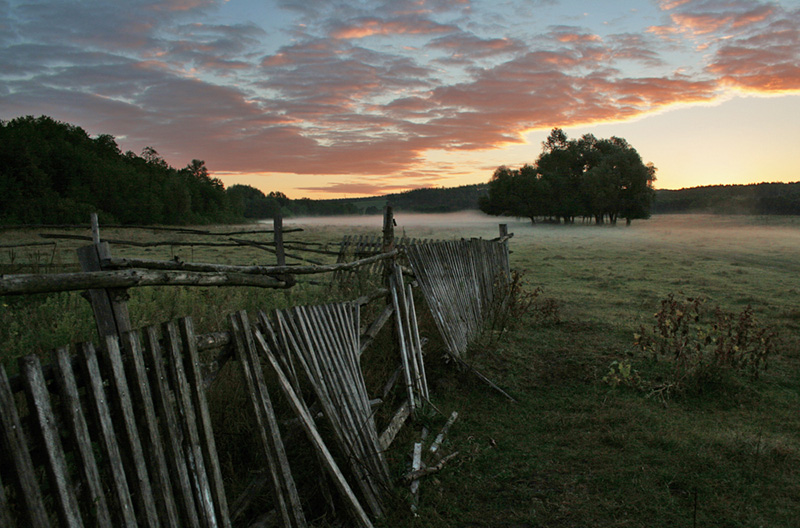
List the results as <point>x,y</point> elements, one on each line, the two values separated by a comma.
<point>460,280</point>
<point>324,342</point>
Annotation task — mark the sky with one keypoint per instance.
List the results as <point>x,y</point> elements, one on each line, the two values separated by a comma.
<point>335,99</point>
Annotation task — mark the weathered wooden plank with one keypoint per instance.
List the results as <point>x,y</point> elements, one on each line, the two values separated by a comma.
<point>119,394</point>
<point>17,450</point>
<point>171,430</point>
<point>387,437</point>
<point>54,282</point>
<point>110,311</point>
<point>283,481</point>
<point>209,446</point>
<point>98,403</point>
<point>372,331</point>
<point>142,399</point>
<point>244,342</point>
<point>310,428</point>
<point>410,345</point>
<point>416,463</point>
<point>414,330</point>
<point>55,461</point>
<point>339,389</point>
<point>437,442</point>
<point>188,420</point>
<point>79,431</point>
<point>458,281</point>
<point>402,341</point>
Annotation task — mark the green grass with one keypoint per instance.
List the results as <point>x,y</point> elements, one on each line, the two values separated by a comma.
<point>577,452</point>
<point>574,451</point>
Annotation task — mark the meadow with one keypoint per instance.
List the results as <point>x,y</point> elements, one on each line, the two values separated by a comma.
<point>577,449</point>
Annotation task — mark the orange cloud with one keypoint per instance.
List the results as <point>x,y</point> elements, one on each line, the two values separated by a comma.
<point>367,27</point>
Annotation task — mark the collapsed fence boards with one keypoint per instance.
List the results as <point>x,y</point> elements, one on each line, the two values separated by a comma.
<point>459,279</point>
<point>408,334</point>
<point>324,342</point>
<point>137,446</point>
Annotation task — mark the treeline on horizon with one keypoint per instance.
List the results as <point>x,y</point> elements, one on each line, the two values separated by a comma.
<point>749,199</point>
<point>55,173</point>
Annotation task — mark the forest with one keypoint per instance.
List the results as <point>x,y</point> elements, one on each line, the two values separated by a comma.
<point>53,172</point>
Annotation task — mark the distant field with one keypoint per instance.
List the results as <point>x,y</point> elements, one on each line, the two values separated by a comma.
<point>574,451</point>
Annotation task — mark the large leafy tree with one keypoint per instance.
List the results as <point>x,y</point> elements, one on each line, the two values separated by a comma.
<point>604,179</point>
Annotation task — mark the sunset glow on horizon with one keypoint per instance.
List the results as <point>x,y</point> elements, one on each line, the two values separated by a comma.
<point>333,99</point>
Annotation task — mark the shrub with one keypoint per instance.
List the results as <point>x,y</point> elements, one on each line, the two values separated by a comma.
<point>705,343</point>
<point>515,300</point>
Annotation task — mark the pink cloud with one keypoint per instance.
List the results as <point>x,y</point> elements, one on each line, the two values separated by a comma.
<point>367,27</point>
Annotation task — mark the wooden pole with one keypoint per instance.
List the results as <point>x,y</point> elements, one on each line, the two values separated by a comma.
<point>109,305</point>
<point>277,226</point>
<point>388,242</point>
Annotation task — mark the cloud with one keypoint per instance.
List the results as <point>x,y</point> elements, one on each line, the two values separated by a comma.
<point>470,46</point>
<point>407,25</point>
<point>766,62</point>
<point>345,96</point>
<point>753,46</point>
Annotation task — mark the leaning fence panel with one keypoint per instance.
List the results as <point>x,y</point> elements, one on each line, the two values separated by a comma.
<point>459,280</point>
<point>108,465</point>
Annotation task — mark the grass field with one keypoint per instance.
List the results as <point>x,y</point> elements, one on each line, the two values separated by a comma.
<point>575,451</point>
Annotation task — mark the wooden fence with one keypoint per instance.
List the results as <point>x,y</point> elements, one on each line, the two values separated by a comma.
<point>121,434</point>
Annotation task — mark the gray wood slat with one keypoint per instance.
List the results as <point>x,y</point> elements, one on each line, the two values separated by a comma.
<point>171,430</point>
<point>17,450</point>
<point>79,430</point>
<point>138,476</point>
<point>351,502</point>
<point>102,415</point>
<point>209,446</point>
<point>152,442</point>
<point>191,436</point>
<point>55,461</point>
<point>283,481</point>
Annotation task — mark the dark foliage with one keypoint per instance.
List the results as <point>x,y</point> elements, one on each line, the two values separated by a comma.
<point>52,172</point>
<point>704,343</point>
<point>603,179</point>
<point>760,199</point>
<point>426,200</point>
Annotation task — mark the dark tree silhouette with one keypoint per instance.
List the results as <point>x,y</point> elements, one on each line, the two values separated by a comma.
<point>603,179</point>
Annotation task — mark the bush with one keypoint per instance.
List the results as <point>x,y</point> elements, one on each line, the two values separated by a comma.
<point>705,343</point>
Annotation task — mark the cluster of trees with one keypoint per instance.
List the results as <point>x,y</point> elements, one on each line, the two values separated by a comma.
<point>53,172</point>
<point>255,204</point>
<point>757,199</point>
<point>603,179</point>
<point>438,200</point>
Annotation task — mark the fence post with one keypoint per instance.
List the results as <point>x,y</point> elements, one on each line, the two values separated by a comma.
<point>506,263</point>
<point>388,242</point>
<point>110,306</point>
<point>277,227</point>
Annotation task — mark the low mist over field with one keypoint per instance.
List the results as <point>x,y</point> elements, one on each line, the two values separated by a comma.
<point>687,233</point>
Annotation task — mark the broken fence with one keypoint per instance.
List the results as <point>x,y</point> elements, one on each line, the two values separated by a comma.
<point>127,439</point>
